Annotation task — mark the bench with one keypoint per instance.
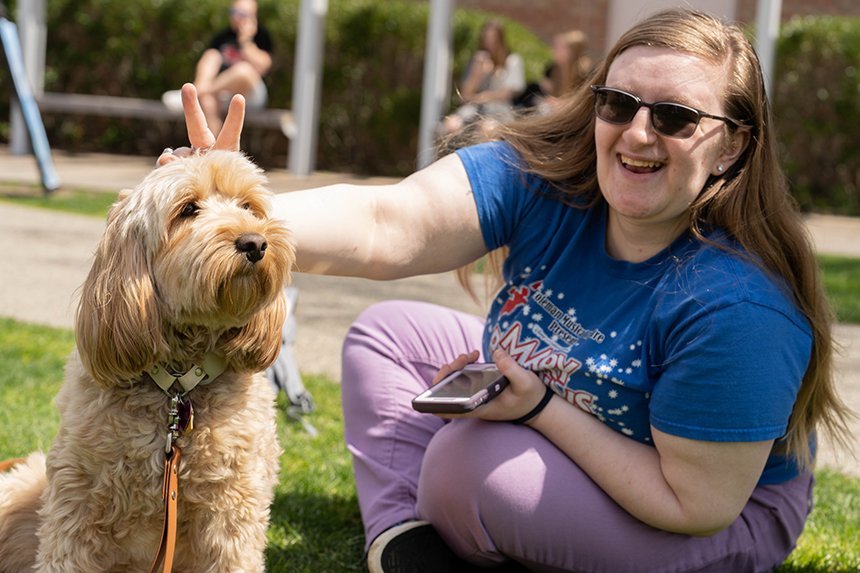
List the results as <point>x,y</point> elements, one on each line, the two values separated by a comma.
<point>114,106</point>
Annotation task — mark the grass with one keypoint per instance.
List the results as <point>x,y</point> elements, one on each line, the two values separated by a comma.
<point>315,524</point>
<point>842,283</point>
<point>77,201</point>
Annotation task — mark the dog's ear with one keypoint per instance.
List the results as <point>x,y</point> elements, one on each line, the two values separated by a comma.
<point>255,346</point>
<point>118,328</point>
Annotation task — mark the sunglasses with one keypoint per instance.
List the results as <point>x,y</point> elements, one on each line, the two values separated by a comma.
<point>669,119</point>
<point>239,13</point>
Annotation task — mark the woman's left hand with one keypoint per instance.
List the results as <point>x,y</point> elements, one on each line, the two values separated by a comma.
<point>524,391</point>
<point>199,135</point>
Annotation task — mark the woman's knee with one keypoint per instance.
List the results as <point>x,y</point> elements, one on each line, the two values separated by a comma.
<point>376,325</point>
<point>478,480</point>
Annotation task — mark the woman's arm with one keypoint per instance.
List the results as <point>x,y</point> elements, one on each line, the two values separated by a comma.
<point>514,83</point>
<point>260,59</point>
<point>681,485</point>
<point>480,68</point>
<point>426,223</point>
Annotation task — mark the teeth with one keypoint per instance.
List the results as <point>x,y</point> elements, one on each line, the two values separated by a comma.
<point>637,163</point>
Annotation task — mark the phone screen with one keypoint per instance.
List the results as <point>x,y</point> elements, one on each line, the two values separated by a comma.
<point>466,383</point>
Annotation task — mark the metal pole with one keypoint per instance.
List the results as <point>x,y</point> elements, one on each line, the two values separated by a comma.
<point>437,73</point>
<point>767,32</point>
<point>307,86</point>
<point>31,30</point>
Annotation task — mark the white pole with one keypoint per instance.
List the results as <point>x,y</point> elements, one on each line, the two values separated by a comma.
<point>437,66</point>
<point>31,30</point>
<point>307,86</point>
<point>767,32</point>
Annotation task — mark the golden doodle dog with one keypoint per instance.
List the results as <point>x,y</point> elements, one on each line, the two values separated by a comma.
<point>180,313</point>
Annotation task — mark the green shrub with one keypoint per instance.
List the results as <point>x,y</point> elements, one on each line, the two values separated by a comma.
<point>372,77</point>
<point>817,110</point>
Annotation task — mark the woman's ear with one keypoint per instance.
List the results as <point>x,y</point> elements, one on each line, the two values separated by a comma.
<point>734,146</point>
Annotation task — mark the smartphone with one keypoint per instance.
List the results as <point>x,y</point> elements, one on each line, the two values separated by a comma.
<point>462,391</point>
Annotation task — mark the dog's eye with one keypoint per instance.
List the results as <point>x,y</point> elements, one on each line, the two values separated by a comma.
<point>246,206</point>
<point>189,210</point>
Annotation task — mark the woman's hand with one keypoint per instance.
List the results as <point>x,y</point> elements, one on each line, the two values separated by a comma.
<point>199,135</point>
<point>525,390</point>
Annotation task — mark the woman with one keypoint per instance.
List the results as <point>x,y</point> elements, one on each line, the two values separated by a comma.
<point>494,76</point>
<point>662,325</point>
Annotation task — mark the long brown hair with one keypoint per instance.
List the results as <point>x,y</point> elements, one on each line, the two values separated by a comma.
<point>750,201</point>
<point>498,52</point>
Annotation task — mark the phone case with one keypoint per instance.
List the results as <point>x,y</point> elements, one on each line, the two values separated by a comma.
<point>430,403</point>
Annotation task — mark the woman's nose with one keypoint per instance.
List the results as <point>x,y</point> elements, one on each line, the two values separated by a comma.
<point>640,126</point>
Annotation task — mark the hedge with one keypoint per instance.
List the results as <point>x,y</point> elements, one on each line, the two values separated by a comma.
<point>817,111</point>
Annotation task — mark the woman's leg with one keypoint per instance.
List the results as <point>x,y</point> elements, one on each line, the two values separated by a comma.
<point>495,490</point>
<point>390,355</point>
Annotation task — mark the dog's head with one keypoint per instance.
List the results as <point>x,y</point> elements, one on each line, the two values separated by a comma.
<point>190,252</point>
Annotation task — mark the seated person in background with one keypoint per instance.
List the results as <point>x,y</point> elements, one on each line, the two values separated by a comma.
<point>494,76</point>
<point>235,62</point>
<point>568,69</point>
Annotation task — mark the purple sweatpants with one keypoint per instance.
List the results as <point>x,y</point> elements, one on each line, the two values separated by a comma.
<point>496,491</point>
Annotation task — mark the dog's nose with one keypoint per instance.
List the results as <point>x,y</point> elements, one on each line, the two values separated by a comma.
<point>253,245</point>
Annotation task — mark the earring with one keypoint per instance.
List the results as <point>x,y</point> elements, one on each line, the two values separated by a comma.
<point>720,168</point>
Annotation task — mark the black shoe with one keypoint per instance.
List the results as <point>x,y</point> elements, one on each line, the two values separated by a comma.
<point>413,547</point>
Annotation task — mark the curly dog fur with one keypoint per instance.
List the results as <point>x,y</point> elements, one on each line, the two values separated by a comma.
<point>190,263</point>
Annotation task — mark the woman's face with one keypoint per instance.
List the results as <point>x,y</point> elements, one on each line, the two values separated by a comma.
<point>490,39</point>
<point>241,10</point>
<point>649,179</point>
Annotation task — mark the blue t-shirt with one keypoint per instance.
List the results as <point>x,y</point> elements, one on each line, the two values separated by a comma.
<point>697,342</point>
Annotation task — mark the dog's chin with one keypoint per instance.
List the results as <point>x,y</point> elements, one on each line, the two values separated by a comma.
<point>235,299</point>
<point>246,294</point>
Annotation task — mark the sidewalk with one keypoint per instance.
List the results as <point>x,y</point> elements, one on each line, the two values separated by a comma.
<point>47,256</point>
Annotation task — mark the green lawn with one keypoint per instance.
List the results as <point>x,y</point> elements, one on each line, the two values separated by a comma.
<point>842,283</point>
<point>78,201</point>
<point>315,519</point>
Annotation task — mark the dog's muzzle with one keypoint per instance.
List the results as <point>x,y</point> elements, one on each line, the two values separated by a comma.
<point>252,245</point>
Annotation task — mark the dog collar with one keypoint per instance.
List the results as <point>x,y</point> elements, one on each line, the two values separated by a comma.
<point>212,366</point>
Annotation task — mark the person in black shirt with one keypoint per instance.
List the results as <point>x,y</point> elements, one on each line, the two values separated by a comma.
<point>236,61</point>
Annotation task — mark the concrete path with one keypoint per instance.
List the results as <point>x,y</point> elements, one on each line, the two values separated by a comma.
<point>47,256</point>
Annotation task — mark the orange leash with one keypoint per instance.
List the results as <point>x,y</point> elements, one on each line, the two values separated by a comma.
<point>170,492</point>
<point>7,465</point>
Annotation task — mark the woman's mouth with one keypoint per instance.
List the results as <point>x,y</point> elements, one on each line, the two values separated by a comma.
<point>640,165</point>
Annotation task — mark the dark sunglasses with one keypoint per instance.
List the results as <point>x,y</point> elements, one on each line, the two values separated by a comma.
<point>669,119</point>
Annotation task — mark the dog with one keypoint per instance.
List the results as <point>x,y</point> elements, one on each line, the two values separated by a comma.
<point>187,278</point>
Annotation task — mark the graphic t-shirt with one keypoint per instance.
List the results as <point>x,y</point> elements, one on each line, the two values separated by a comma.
<point>697,341</point>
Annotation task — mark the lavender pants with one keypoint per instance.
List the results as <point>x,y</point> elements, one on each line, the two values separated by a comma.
<point>496,491</point>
